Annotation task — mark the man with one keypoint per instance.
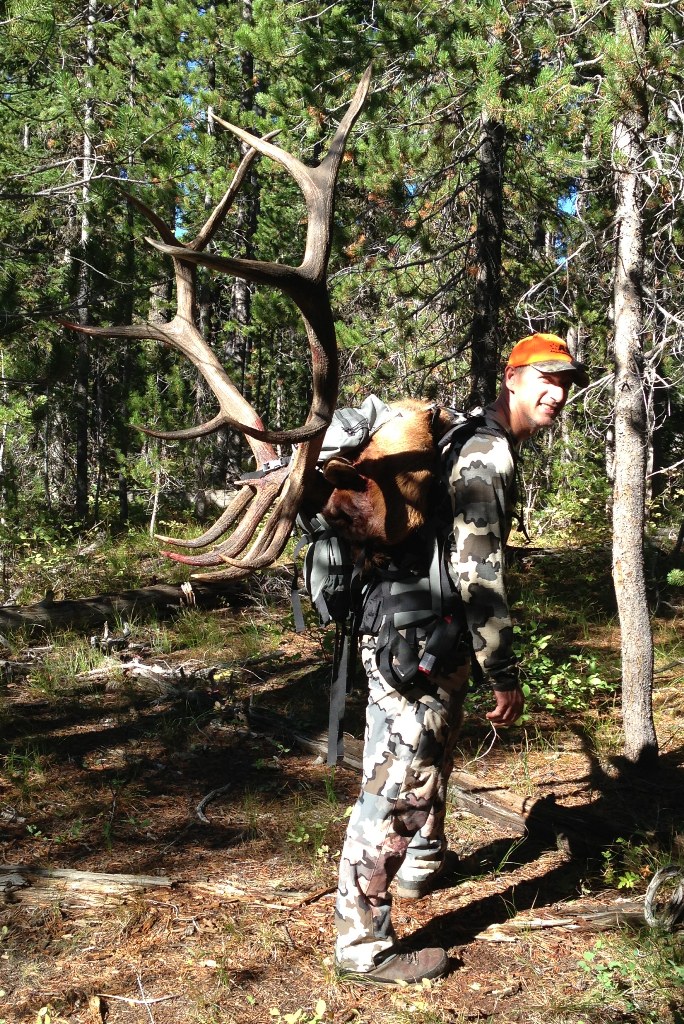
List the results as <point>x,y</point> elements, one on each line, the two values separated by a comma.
<point>396,829</point>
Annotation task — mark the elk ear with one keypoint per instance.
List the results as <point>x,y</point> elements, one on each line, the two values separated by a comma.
<point>340,472</point>
<point>442,420</point>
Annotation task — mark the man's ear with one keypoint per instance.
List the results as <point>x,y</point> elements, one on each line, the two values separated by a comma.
<point>511,376</point>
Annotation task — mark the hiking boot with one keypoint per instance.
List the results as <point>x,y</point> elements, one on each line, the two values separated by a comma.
<point>402,968</point>
<point>440,879</point>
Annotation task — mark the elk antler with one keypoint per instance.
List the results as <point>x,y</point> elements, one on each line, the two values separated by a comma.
<point>280,488</point>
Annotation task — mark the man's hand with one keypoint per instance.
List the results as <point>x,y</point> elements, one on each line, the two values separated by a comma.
<point>509,707</point>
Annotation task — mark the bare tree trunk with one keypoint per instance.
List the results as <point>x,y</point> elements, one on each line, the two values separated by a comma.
<point>157,488</point>
<point>631,428</point>
<point>127,299</point>
<point>484,365</point>
<point>237,348</point>
<point>83,287</point>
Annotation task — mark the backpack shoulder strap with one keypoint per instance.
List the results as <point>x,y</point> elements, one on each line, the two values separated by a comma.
<point>464,426</point>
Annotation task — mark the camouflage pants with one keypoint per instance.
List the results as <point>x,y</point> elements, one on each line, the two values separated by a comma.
<point>397,824</point>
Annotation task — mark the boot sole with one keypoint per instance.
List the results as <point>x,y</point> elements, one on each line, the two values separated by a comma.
<point>369,978</point>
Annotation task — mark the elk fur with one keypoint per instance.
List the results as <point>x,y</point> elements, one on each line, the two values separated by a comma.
<point>382,495</point>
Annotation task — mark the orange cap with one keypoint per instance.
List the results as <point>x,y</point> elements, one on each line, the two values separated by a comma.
<point>549,353</point>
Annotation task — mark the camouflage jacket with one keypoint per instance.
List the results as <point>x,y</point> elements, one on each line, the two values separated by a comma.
<point>481,479</point>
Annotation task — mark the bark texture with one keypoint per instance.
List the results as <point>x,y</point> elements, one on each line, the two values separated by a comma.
<point>488,242</point>
<point>631,430</point>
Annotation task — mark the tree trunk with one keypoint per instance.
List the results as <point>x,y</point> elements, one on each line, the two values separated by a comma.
<point>631,429</point>
<point>83,285</point>
<point>484,365</point>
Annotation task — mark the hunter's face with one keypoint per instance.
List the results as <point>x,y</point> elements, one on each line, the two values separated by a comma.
<point>536,399</point>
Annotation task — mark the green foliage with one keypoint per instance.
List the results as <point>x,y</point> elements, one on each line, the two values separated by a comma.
<point>629,862</point>
<point>49,556</point>
<point>309,835</point>
<point>24,766</point>
<point>639,975</point>
<point>404,263</point>
<point>70,657</point>
<point>197,630</point>
<point>571,685</point>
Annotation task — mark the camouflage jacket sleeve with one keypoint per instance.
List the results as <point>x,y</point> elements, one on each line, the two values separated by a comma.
<point>481,480</point>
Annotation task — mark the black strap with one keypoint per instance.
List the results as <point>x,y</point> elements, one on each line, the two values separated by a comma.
<point>265,469</point>
<point>396,655</point>
<point>345,651</point>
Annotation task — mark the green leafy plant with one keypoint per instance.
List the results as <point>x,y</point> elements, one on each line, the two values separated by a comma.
<point>568,686</point>
<point>629,863</point>
<point>641,973</point>
<point>298,835</point>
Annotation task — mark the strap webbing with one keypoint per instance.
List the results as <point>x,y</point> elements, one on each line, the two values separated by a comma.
<point>338,692</point>
<point>295,597</point>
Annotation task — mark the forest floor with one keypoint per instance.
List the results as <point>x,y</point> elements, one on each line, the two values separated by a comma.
<point>104,772</point>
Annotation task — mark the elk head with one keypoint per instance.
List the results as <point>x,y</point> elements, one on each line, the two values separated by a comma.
<point>382,495</point>
<point>275,496</point>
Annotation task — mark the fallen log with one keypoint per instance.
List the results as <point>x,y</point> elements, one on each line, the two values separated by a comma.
<point>162,599</point>
<point>541,817</point>
<point>27,887</point>
<point>661,907</point>
<point>627,913</point>
<point>32,886</point>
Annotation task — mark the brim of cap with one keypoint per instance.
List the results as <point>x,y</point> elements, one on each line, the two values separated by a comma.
<point>577,370</point>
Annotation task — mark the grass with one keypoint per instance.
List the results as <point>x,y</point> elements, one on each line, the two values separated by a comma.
<point>63,562</point>
<point>119,792</point>
<point>641,976</point>
<point>70,656</point>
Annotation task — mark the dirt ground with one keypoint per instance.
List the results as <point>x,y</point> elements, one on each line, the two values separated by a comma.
<point>107,776</point>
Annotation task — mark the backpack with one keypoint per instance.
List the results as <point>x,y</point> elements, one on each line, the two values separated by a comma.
<point>330,575</point>
<point>329,570</point>
<point>350,430</point>
<point>399,600</point>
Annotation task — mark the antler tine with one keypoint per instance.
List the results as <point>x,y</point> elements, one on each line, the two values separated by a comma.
<point>306,176</point>
<point>140,332</point>
<point>175,335</point>
<point>155,220</point>
<point>243,534</point>
<point>216,218</point>
<point>236,507</point>
<point>274,536</point>
<point>270,543</point>
<point>267,547</point>
<point>276,496</point>
<point>337,146</point>
<point>187,434</point>
<point>227,552</point>
<point>261,494</point>
<point>218,214</point>
<point>304,433</point>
